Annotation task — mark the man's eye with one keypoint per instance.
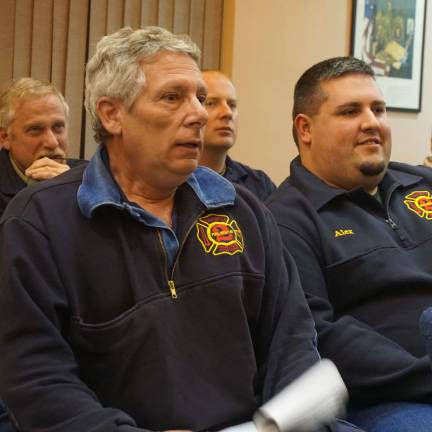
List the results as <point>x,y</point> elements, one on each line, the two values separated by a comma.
<point>209,103</point>
<point>59,128</point>
<point>379,110</point>
<point>233,105</point>
<point>349,112</point>
<point>34,130</point>
<point>202,99</point>
<point>171,97</point>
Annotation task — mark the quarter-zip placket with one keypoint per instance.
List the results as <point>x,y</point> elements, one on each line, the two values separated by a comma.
<point>399,234</point>
<point>389,220</point>
<point>170,277</point>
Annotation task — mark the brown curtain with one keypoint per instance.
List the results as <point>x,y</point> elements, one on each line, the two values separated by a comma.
<point>52,40</point>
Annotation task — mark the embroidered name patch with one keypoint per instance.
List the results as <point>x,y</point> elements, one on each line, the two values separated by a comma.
<point>420,202</point>
<point>343,232</point>
<point>219,235</point>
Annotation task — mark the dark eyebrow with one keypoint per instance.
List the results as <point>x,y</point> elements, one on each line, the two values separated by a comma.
<point>379,103</point>
<point>352,104</point>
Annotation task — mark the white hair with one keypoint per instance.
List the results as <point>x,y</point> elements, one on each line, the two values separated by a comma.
<point>115,68</point>
<point>25,88</point>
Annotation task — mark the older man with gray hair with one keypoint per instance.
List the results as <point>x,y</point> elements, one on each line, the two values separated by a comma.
<point>159,299</point>
<point>33,135</point>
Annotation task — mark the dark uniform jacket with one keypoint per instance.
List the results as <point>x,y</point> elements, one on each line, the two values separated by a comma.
<point>10,181</point>
<point>366,269</point>
<point>111,321</point>
<point>256,181</point>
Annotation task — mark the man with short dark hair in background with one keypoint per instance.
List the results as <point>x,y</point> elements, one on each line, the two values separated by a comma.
<point>33,135</point>
<point>360,231</point>
<point>220,135</point>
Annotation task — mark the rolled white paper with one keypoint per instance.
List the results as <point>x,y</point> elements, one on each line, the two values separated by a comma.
<point>242,427</point>
<point>314,399</point>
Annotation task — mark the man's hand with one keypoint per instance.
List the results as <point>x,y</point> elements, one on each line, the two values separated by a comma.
<point>46,168</point>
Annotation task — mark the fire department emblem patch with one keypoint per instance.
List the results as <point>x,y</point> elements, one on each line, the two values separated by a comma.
<point>219,235</point>
<point>420,202</point>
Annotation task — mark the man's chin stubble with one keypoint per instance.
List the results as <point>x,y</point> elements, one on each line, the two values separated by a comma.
<point>371,169</point>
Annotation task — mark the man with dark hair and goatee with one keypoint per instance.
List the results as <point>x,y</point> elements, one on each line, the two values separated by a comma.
<point>360,231</point>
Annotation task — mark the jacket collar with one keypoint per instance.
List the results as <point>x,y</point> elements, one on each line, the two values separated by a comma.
<point>320,193</point>
<point>234,171</point>
<point>98,187</point>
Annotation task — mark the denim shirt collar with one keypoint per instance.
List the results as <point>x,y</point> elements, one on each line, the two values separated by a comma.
<point>99,188</point>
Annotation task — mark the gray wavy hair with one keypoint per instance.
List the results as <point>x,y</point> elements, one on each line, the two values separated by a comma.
<point>25,88</point>
<point>115,68</point>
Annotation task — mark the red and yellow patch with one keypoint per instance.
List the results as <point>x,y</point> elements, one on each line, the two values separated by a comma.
<point>420,202</point>
<point>219,235</point>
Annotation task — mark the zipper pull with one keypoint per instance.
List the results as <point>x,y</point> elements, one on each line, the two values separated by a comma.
<point>391,223</point>
<point>172,288</point>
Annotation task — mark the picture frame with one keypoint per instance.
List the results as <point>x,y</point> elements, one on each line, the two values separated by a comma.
<point>389,36</point>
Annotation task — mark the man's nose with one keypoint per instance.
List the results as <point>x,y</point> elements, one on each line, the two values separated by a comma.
<point>226,110</point>
<point>50,139</point>
<point>369,120</point>
<point>197,115</point>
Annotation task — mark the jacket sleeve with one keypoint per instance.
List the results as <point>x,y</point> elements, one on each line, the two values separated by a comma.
<point>285,334</point>
<point>39,379</point>
<point>374,367</point>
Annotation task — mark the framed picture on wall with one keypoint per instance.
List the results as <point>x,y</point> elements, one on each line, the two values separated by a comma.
<point>389,35</point>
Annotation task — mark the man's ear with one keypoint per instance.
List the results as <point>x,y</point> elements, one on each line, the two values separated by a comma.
<point>108,111</point>
<point>302,124</point>
<point>4,139</point>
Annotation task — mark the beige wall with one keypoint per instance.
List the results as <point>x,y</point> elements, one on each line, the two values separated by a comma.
<point>274,41</point>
